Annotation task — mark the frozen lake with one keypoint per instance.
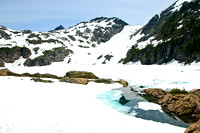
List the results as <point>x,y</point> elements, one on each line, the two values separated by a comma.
<point>29,107</point>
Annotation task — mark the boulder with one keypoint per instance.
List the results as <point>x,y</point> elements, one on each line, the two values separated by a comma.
<point>194,128</point>
<point>181,104</point>
<point>3,72</point>
<point>123,82</point>
<point>83,81</point>
<point>48,57</point>
<point>156,92</point>
<point>81,74</point>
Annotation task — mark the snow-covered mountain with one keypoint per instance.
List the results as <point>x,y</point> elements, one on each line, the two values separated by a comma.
<point>92,42</point>
<point>166,37</point>
<point>171,35</point>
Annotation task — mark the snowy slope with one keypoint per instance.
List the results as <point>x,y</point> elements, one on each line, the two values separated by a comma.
<point>88,40</point>
<point>29,107</point>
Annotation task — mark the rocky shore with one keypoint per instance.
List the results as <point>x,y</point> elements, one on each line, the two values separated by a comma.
<point>180,103</point>
<point>177,103</point>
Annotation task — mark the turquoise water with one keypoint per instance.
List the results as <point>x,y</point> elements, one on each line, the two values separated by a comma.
<point>112,97</point>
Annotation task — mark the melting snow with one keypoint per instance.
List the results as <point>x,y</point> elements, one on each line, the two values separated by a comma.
<point>149,106</point>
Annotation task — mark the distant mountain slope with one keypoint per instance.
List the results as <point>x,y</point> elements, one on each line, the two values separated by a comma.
<point>72,45</point>
<point>173,34</point>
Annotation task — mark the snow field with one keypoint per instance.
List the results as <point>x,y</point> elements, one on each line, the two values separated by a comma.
<point>29,107</point>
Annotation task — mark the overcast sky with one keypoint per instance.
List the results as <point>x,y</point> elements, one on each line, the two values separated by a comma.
<point>45,15</point>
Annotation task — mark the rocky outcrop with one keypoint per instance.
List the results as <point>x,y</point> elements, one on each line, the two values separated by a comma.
<point>55,55</point>
<point>103,33</point>
<point>81,74</point>
<point>76,77</point>
<point>58,28</point>
<point>83,81</point>
<point>9,55</point>
<point>2,63</point>
<point>156,92</point>
<point>42,80</point>
<point>123,82</point>
<point>4,35</point>
<point>194,128</point>
<point>181,104</point>
<point>4,72</point>
<point>105,81</point>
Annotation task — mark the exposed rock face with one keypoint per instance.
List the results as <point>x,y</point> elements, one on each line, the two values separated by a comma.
<point>9,55</point>
<point>101,33</point>
<point>4,35</point>
<point>56,55</point>
<point>194,128</point>
<point>156,92</point>
<point>83,81</point>
<point>1,63</point>
<point>181,104</point>
<point>3,72</point>
<point>177,33</point>
<point>81,74</point>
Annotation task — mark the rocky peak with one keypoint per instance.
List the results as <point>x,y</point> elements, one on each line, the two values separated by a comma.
<point>100,29</point>
<point>58,28</point>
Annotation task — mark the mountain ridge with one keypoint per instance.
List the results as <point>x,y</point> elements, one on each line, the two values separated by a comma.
<point>170,35</point>
<point>85,35</point>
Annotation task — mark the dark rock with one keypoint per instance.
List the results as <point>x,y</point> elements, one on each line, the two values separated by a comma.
<point>2,63</point>
<point>59,28</point>
<point>81,74</point>
<point>9,55</point>
<point>25,52</point>
<point>123,100</point>
<point>103,34</point>
<point>41,80</point>
<point>4,35</point>
<point>55,55</point>
<point>26,31</point>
